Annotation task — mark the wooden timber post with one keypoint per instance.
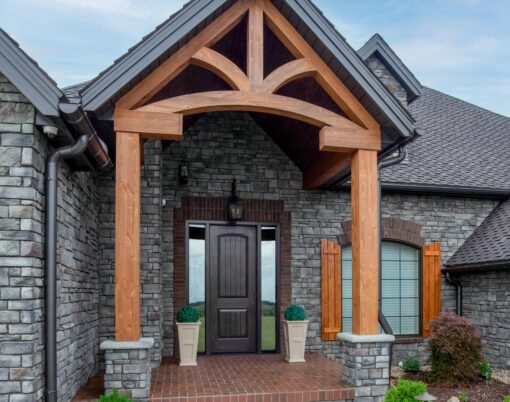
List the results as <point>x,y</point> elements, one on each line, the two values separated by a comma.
<point>365,243</point>
<point>127,237</point>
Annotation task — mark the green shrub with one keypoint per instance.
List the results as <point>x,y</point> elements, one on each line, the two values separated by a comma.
<point>114,397</point>
<point>486,370</point>
<point>463,397</point>
<point>506,398</point>
<point>411,365</point>
<point>295,312</point>
<point>188,315</point>
<point>405,391</point>
<point>455,350</point>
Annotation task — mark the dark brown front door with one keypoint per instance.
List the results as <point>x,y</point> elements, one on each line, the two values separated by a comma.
<point>232,290</point>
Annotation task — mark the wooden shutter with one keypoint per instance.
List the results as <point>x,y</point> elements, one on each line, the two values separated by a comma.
<point>431,285</point>
<point>331,291</point>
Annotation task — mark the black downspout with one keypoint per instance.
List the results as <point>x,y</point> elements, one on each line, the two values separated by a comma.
<point>50,296</point>
<point>458,289</point>
<point>402,152</point>
<point>382,165</point>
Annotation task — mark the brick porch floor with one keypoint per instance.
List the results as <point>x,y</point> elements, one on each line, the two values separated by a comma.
<point>246,378</point>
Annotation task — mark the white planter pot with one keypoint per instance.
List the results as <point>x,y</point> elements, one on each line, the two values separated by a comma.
<point>188,343</point>
<point>295,340</point>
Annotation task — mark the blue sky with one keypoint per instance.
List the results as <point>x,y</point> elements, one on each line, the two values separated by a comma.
<point>461,47</point>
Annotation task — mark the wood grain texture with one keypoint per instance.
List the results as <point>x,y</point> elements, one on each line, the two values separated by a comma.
<point>365,244</point>
<point>166,126</point>
<point>255,55</point>
<point>222,67</point>
<point>332,139</point>
<point>431,285</point>
<point>289,72</point>
<point>127,237</point>
<point>216,101</point>
<point>331,289</point>
<point>335,88</point>
<point>172,67</point>
<point>324,169</point>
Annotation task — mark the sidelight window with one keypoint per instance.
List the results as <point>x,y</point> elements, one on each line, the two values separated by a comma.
<point>196,276</point>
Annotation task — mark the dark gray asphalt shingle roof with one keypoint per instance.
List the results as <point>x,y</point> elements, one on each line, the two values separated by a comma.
<point>464,146</point>
<point>488,246</point>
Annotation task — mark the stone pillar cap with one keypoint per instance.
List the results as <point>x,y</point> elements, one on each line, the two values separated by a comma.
<point>353,338</point>
<point>143,343</point>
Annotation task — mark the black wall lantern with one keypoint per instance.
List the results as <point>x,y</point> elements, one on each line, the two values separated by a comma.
<point>235,205</point>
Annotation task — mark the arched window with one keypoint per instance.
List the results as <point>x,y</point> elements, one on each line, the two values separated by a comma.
<point>400,287</point>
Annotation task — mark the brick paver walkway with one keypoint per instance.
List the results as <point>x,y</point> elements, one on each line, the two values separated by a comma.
<point>242,378</point>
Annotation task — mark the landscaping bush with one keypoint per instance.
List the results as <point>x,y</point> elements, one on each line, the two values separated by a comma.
<point>115,397</point>
<point>463,397</point>
<point>506,398</point>
<point>188,315</point>
<point>455,350</point>
<point>405,391</point>
<point>486,370</point>
<point>295,312</point>
<point>411,365</point>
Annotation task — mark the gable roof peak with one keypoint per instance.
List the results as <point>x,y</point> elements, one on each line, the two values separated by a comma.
<point>378,46</point>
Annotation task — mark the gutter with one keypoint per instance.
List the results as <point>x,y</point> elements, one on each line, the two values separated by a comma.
<point>88,141</point>
<point>78,119</point>
<point>339,184</point>
<point>50,294</point>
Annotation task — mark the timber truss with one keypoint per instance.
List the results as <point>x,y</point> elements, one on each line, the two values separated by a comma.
<point>339,136</point>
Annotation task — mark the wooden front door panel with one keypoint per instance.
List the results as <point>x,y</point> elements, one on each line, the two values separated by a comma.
<point>232,290</point>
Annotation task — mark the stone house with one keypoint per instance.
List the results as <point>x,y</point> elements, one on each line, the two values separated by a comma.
<point>144,157</point>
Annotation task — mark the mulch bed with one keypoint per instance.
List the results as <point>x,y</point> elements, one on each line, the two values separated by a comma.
<point>482,391</point>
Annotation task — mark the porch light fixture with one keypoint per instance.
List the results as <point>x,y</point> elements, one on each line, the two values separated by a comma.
<point>235,205</point>
<point>183,173</point>
<point>425,397</point>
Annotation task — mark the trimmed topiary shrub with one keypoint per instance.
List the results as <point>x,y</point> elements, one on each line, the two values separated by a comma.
<point>455,350</point>
<point>295,312</point>
<point>486,370</point>
<point>405,391</point>
<point>115,397</point>
<point>188,315</point>
<point>411,365</point>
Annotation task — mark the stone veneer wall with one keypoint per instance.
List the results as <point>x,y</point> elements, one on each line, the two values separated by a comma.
<point>223,145</point>
<point>150,251</point>
<point>387,78</point>
<point>23,152</point>
<point>486,303</point>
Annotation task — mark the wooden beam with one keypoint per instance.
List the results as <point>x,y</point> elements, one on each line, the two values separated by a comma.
<point>289,72</point>
<point>172,67</point>
<point>328,166</point>
<point>216,101</point>
<point>255,50</point>
<point>127,237</point>
<point>222,67</point>
<point>165,126</point>
<point>325,77</point>
<point>365,243</point>
<point>332,139</point>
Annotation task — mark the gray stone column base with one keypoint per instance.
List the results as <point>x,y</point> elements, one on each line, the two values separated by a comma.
<point>366,365</point>
<point>128,367</point>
